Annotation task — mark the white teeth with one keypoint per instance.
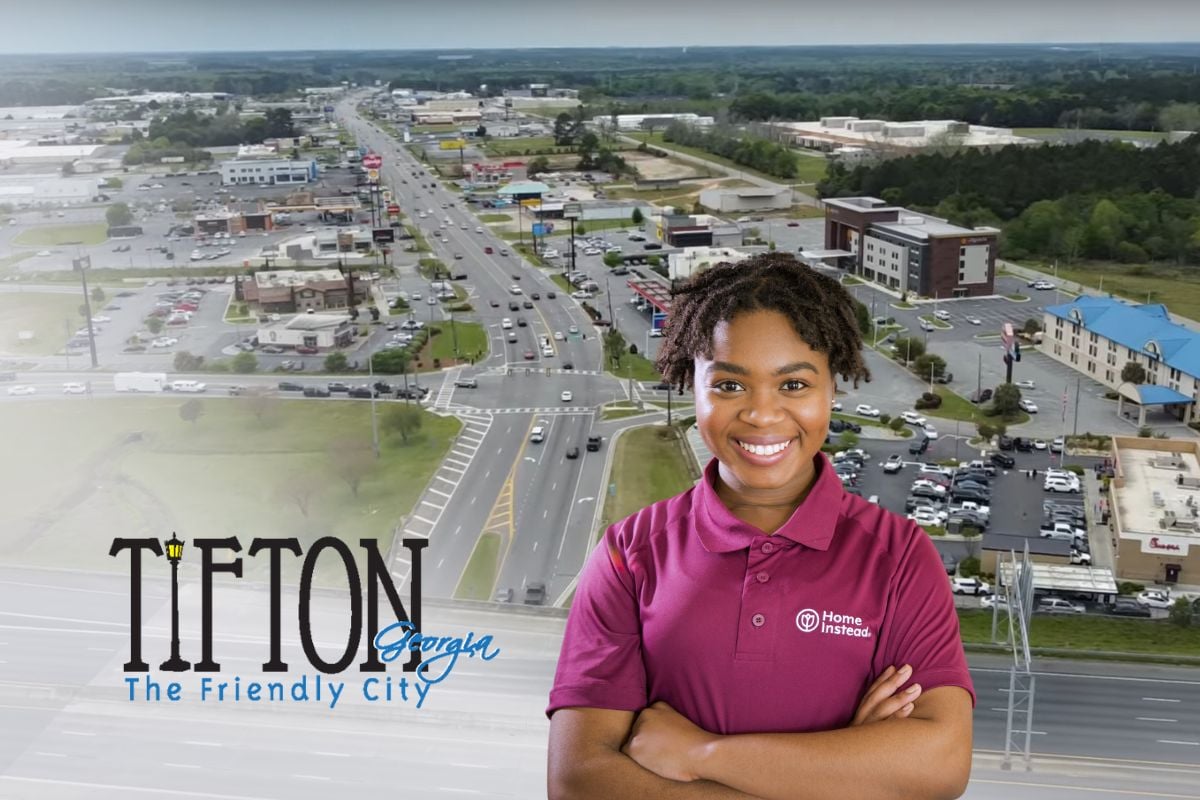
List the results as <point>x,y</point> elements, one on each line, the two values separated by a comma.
<point>764,450</point>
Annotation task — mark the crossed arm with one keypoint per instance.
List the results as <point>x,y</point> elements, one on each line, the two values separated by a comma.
<point>900,749</point>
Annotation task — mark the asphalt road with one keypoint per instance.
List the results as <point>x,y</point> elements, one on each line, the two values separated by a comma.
<point>71,730</point>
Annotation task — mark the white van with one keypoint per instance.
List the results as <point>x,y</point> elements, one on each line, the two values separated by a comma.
<point>538,434</point>
<point>188,386</point>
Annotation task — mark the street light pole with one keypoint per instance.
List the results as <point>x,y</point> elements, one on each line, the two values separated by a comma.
<point>82,264</point>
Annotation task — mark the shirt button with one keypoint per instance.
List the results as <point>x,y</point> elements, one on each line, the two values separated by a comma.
<point>758,620</point>
<point>762,577</point>
<point>768,548</point>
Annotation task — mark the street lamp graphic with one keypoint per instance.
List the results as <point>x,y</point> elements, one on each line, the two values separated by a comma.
<point>174,554</point>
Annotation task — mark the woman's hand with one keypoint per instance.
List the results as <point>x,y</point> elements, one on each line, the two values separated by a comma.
<point>883,699</point>
<point>666,743</point>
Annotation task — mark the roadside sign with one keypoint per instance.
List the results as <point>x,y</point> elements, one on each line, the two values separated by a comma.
<point>393,209</point>
<point>387,195</point>
<point>372,161</point>
<point>373,175</point>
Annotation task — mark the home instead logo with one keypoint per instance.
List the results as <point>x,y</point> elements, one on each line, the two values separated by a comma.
<point>431,658</point>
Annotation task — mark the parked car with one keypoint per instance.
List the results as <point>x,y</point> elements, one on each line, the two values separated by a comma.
<point>973,586</point>
<point>1154,598</point>
<point>864,410</point>
<point>913,418</point>
<point>1128,607</point>
<point>1003,460</point>
<point>1057,605</point>
<point>1028,406</point>
<point>918,446</point>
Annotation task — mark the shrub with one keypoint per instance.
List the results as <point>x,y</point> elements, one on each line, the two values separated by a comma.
<point>1145,432</point>
<point>968,567</point>
<point>1181,613</point>
<point>928,400</point>
<point>885,419</point>
<point>897,424</point>
<point>1077,469</point>
<point>1129,587</point>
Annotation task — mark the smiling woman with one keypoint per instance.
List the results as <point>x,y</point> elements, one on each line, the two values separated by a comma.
<point>765,570</point>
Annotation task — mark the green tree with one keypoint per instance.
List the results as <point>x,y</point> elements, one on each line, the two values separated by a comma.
<point>98,295</point>
<point>393,361</point>
<point>637,218</point>
<point>536,166</point>
<point>922,365</point>
<point>909,348</point>
<point>191,411</point>
<point>118,214</point>
<point>244,363</point>
<point>897,424</point>
<point>863,314</point>
<point>580,228</point>
<point>352,460</point>
<point>986,430</point>
<point>614,346</point>
<point>1133,372</point>
<point>1181,612</point>
<point>1006,399</point>
<point>336,362</point>
<point>564,130</point>
<point>154,325</point>
<point>848,439</point>
<point>405,420</point>
<point>187,362</point>
<point>613,260</point>
<point>1032,326</point>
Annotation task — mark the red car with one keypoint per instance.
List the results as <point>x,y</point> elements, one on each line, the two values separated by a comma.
<point>307,351</point>
<point>529,356</point>
<point>185,307</point>
<point>487,250</point>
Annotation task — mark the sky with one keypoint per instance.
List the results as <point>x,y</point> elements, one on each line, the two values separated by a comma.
<point>86,26</point>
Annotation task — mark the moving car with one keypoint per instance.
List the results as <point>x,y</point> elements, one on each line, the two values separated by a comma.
<point>864,410</point>
<point>24,389</point>
<point>1028,406</point>
<point>973,586</point>
<point>893,464</point>
<point>567,397</point>
<point>913,418</point>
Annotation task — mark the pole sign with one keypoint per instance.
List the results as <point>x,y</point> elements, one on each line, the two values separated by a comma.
<point>372,161</point>
<point>373,175</point>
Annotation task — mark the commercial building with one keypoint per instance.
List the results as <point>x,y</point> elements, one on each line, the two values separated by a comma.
<point>1155,503</point>
<point>1098,336</point>
<point>634,122</point>
<point>257,164</point>
<point>288,290</point>
<point>26,190</point>
<point>750,198</point>
<point>691,260</point>
<point>698,230</point>
<point>831,133</point>
<point>309,330</point>
<point>234,221</point>
<point>910,253</point>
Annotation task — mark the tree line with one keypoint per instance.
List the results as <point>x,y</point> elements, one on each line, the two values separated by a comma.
<point>222,129</point>
<point>749,151</point>
<point>1100,200</point>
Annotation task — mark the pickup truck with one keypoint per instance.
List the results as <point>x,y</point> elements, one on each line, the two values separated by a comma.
<point>971,505</point>
<point>985,466</point>
<point>1062,530</point>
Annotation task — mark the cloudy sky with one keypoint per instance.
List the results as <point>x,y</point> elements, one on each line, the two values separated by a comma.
<point>183,25</point>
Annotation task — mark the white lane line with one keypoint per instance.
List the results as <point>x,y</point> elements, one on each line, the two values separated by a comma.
<point>334,755</point>
<point>78,733</point>
<point>1161,700</point>
<point>1176,741</point>
<point>428,522</point>
<point>198,743</point>
<point>443,494</point>
<point>1096,677</point>
<point>311,777</point>
<point>1156,719</point>
<point>454,469</point>
<point>180,766</point>
<point>51,755</point>
<point>456,530</point>
<point>432,505</point>
<point>411,532</point>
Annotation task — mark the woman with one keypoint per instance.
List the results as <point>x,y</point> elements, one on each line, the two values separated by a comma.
<point>764,634</point>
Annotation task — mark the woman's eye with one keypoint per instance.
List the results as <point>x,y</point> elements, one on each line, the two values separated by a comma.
<point>795,386</point>
<point>727,386</point>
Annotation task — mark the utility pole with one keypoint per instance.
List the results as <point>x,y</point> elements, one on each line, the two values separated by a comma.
<point>1075,425</point>
<point>82,264</point>
<point>374,418</point>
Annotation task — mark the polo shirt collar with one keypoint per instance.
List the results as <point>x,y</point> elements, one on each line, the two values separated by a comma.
<point>812,524</point>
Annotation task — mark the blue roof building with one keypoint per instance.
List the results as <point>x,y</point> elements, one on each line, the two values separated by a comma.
<point>1098,336</point>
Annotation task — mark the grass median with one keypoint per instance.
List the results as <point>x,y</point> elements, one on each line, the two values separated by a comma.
<point>482,570</point>
<point>50,318</point>
<point>1087,632</point>
<point>60,235</point>
<point>649,465</point>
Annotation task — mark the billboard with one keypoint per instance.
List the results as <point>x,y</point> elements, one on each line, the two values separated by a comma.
<point>452,144</point>
<point>383,235</point>
<point>539,229</point>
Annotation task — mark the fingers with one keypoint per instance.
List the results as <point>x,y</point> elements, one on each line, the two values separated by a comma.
<point>883,699</point>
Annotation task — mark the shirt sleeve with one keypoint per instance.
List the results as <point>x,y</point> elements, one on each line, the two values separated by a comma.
<point>601,663</point>
<point>921,626</point>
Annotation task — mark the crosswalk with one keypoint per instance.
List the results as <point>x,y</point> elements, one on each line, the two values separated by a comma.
<point>557,410</point>
<point>441,488</point>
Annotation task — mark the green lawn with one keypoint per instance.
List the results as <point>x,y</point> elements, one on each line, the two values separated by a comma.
<point>804,169</point>
<point>620,413</point>
<point>594,226</point>
<point>518,145</point>
<point>482,570</point>
<point>136,469</point>
<point>8,262</point>
<point>955,406</point>
<point>934,321</point>
<point>1092,632</point>
<point>471,337</point>
<point>434,128</point>
<point>646,468</point>
<point>47,316</point>
<point>810,169</point>
<point>639,367</point>
<point>1178,288</point>
<point>495,218</point>
<point>60,235</point>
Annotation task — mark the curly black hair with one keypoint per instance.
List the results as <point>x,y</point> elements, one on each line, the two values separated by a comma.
<point>821,311</point>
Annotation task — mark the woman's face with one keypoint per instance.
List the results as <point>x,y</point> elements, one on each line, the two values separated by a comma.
<point>763,404</point>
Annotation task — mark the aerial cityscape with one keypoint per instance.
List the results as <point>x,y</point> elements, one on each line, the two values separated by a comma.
<point>405,301</point>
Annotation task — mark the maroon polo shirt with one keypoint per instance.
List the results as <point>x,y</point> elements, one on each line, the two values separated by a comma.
<point>744,632</point>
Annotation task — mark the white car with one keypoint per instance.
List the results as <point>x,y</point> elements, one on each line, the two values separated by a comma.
<point>514,289</point>
<point>913,418</point>
<point>506,324</point>
<point>581,295</point>
<point>837,406</point>
<point>431,301</point>
<point>993,600</point>
<point>862,409</point>
<point>1059,485</point>
<point>925,516</point>
<point>74,388</point>
<point>96,320</point>
<point>479,230</point>
<point>164,341</point>
<point>592,251</point>
<point>893,464</point>
<point>17,391</point>
<point>1039,444</point>
<point>567,397</point>
<point>1028,406</point>
<point>930,432</point>
<point>936,488</point>
<point>970,586</point>
<point>558,336</point>
<point>44,253</point>
<point>1153,598</point>
<point>1025,385</point>
<point>927,326</point>
<point>942,314</point>
<point>974,320</point>
<point>547,352</point>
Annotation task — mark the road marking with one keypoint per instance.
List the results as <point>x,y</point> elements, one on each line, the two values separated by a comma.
<point>443,494</point>
<point>311,777</point>
<point>432,505</point>
<point>454,469</point>
<point>535,544</point>
<point>1176,741</point>
<point>1161,700</point>
<point>78,733</point>
<point>205,744</point>
<point>1156,719</point>
<point>61,619</point>
<point>180,766</point>
<point>62,588</point>
<point>50,755</point>
<point>332,755</point>
<point>1097,677</point>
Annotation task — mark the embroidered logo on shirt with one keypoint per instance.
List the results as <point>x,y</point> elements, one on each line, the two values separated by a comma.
<point>809,620</point>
